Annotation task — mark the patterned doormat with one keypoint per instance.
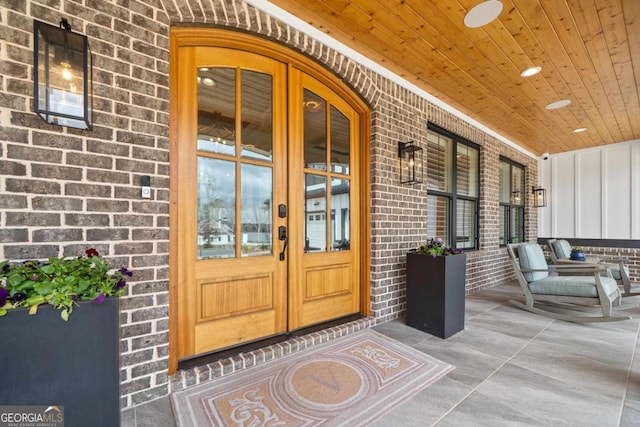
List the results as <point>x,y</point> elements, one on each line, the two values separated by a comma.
<point>349,381</point>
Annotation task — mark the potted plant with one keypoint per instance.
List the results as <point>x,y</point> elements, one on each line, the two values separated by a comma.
<point>436,275</point>
<point>577,254</point>
<point>61,336</point>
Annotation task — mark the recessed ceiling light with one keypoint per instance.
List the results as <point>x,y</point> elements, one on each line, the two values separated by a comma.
<point>579,130</point>
<point>530,72</point>
<point>483,13</point>
<point>558,104</point>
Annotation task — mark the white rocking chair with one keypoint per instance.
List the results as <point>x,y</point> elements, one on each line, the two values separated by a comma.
<point>546,292</point>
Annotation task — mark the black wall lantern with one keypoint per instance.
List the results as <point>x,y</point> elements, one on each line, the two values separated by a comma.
<point>62,82</point>
<point>410,163</point>
<point>539,197</point>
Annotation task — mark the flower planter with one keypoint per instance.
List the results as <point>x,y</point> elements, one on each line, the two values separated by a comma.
<point>577,256</point>
<point>47,361</point>
<point>436,293</point>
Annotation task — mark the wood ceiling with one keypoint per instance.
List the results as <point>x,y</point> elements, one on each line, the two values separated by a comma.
<point>589,51</point>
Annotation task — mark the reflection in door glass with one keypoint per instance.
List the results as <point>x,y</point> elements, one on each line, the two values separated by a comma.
<point>340,220</point>
<point>216,208</point>
<point>340,138</point>
<point>315,131</point>
<point>217,110</point>
<point>256,115</point>
<point>256,210</point>
<point>315,205</point>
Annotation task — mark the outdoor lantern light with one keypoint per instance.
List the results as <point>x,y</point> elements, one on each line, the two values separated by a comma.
<point>410,163</point>
<point>539,197</point>
<point>62,75</point>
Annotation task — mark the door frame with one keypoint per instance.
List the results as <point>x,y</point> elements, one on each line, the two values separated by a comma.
<point>212,37</point>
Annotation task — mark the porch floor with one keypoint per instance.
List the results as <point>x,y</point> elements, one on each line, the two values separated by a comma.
<point>511,368</point>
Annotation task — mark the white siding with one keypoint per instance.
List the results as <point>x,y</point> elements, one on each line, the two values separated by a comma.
<point>592,193</point>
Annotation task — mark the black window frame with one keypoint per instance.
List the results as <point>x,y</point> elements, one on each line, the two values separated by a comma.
<point>453,197</point>
<point>511,207</point>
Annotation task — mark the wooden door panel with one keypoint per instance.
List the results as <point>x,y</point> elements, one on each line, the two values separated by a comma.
<point>325,281</point>
<point>234,330</point>
<point>232,290</point>
<point>233,296</point>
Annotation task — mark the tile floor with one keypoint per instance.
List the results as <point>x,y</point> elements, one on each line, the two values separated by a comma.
<point>513,368</point>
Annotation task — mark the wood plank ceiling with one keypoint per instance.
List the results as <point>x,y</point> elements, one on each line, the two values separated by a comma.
<point>589,51</point>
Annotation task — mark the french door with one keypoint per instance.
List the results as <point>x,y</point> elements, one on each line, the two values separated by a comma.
<point>266,200</point>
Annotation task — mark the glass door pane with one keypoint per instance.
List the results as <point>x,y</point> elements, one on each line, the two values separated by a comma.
<point>327,141</point>
<point>257,113</point>
<point>235,187</point>
<point>315,131</point>
<point>315,204</point>
<point>340,141</point>
<point>216,208</point>
<point>217,110</point>
<point>257,202</point>
<point>340,219</point>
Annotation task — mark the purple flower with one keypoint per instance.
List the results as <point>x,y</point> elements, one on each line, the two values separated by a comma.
<point>121,283</point>
<point>3,296</point>
<point>19,296</point>
<point>126,272</point>
<point>34,277</point>
<point>99,299</point>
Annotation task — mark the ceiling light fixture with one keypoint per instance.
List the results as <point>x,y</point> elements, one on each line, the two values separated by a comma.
<point>483,13</point>
<point>578,130</point>
<point>530,72</point>
<point>558,104</point>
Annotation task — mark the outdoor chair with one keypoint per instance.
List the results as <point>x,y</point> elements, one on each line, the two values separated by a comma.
<point>546,292</point>
<point>560,251</point>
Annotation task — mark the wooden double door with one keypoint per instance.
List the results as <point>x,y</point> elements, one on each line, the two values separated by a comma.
<point>266,199</point>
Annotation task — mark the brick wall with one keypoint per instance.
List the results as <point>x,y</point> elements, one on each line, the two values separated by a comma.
<point>63,189</point>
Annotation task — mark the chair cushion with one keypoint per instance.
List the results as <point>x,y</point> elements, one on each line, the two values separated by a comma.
<point>615,271</point>
<point>577,286</point>
<point>562,248</point>
<point>532,258</point>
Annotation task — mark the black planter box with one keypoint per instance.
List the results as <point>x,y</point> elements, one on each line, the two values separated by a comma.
<point>436,293</point>
<point>46,361</point>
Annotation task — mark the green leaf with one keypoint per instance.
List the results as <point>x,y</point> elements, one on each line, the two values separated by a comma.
<point>35,300</point>
<point>33,310</point>
<point>3,312</point>
<point>43,288</point>
<point>27,284</point>
<point>49,269</point>
<point>16,279</point>
<point>64,314</point>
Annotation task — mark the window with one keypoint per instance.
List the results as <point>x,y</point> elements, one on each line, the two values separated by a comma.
<point>511,202</point>
<point>453,182</point>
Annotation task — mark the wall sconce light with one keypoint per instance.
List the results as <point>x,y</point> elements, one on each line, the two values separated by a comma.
<point>539,197</point>
<point>410,163</point>
<point>62,76</point>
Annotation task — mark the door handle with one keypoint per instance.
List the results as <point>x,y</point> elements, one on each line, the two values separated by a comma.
<point>282,235</point>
